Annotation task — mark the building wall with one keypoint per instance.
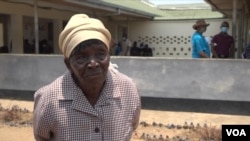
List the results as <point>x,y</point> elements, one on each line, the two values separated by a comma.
<point>170,38</point>
<point>21,19</point>
<point>18,13</point>
<point>156,77</point>
<point>167,38</point>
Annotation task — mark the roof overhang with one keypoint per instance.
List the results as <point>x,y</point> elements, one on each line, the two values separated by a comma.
<point>101,9</point>
<point>226,7</point>
<point>94,8</point>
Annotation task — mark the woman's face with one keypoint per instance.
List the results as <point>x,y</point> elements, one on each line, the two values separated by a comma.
<point>89,64</point>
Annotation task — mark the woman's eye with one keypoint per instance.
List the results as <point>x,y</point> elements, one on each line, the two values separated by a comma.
<point>101,55</point>
<point>81,59</point>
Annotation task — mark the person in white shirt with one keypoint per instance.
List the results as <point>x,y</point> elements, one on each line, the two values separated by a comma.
<point>126,45</point>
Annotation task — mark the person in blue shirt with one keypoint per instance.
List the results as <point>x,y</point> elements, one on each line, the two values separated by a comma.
<point>200,47</point>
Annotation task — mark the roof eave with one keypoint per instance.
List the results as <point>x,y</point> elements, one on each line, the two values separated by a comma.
<point>215,8</point>
<point>118,10</point>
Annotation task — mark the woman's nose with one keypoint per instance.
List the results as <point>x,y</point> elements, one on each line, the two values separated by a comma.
<point>93,63</point>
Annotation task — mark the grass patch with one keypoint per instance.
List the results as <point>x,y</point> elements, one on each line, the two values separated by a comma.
<point>15,114</point>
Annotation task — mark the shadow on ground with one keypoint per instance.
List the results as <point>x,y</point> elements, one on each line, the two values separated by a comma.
<point>17,95</point>
<point>164,104</point>
<point>197,105</point>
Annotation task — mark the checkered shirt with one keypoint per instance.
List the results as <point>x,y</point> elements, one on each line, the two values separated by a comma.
<point>62,112</point>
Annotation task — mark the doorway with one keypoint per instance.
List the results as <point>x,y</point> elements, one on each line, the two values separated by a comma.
<point>3,34</point>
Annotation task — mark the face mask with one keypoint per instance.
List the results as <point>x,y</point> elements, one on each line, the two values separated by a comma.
<point>224,29</point>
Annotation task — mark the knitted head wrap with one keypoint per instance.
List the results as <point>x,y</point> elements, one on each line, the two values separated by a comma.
<point>81,28</point>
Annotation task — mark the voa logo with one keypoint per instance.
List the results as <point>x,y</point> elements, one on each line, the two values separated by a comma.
<point>236,132</point>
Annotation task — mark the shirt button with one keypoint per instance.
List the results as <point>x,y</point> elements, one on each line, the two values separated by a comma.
<point>97,129</point>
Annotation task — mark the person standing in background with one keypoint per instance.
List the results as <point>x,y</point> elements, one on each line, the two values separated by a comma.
<point>200,47</point>
<point>112,45</point>
<point>223,43</point>
<point>118,49</point>
<point>147,51</point>
<point>246,52</point>
<point>126,45</point>
<point>134,51</point>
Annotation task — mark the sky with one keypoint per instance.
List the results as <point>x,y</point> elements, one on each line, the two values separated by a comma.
<point>157,2</point>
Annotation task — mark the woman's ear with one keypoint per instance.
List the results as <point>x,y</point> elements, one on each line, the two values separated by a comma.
<point>67,63</point>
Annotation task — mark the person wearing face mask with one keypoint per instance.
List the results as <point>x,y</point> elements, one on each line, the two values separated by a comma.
<point>200,47</point>
<point>222,43</point>
<point>126,45</point>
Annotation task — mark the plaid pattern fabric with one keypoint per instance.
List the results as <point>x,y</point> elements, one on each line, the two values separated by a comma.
<point>62,112</point>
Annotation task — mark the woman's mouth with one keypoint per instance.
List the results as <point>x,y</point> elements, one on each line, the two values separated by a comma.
<point>93,74</point>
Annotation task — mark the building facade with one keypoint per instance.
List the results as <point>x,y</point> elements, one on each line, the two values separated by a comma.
<point>167,38</point>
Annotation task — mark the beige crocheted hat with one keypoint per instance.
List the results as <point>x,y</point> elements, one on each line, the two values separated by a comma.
<point>81,28</point>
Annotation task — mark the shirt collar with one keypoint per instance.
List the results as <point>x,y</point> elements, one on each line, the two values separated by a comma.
<point>109,94</point>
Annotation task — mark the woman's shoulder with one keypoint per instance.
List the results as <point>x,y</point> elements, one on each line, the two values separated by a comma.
<point>51,89</point>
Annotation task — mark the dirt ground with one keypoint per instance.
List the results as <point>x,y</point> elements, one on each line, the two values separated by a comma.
<point>152,123</point>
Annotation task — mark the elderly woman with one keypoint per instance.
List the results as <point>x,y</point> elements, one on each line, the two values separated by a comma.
<point>90,102</point>
<point>200,47</point>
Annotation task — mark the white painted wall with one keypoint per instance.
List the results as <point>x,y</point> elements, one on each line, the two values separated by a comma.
<point>167,38</point>
<point>170,38</point>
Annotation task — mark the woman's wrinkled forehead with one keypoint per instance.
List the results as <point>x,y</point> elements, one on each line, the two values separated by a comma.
<point>83,45</point>
<point>91,42</point>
